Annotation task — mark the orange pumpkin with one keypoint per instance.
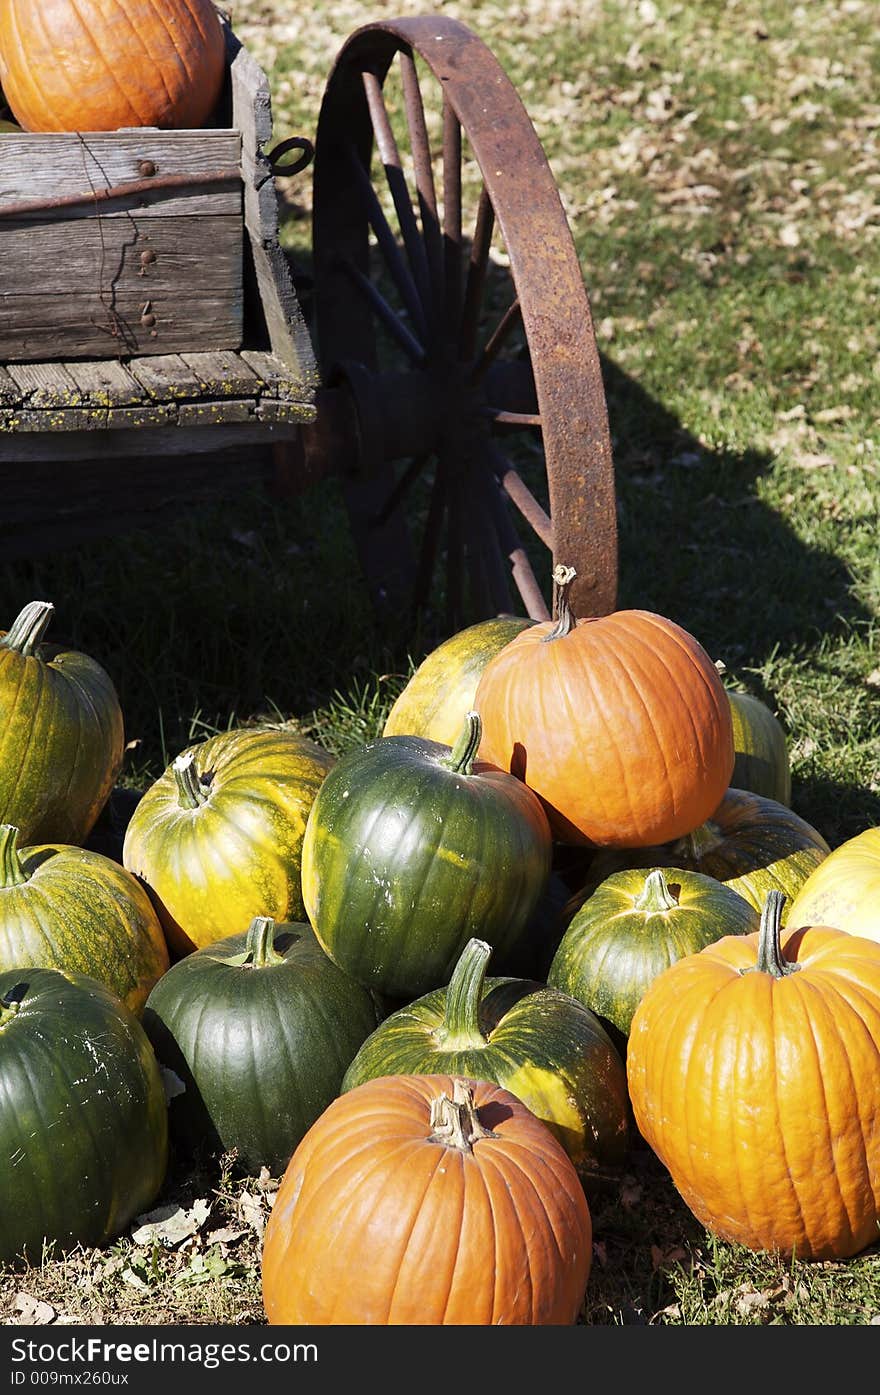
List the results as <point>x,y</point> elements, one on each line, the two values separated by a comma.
<point>620,724</point>
<point>754,1074</point>
<point>427,1200</point>
<point>99,65</point>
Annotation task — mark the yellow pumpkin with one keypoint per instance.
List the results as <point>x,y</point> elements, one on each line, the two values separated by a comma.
<point>844,890</point>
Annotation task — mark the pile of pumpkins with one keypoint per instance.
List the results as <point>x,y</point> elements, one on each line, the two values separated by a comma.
<point>439,984</point>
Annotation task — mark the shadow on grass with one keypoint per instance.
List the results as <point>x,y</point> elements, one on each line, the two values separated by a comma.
<point>255,605</point>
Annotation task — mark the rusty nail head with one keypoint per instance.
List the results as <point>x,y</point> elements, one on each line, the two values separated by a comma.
<point>148,319</point>
<point>147,257</point>
<point>146,168</point>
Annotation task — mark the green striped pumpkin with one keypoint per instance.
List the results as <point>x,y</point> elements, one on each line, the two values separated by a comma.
<point>259,1028</point>
<point>62,740</point>
<point>218,837</point>
<point>63,907</point>
<point>411,849</point>
<point>761,761</point>
<point>441,692</point>
<point>83,1122</point>
<point>751,843</point>
<point>538,1042</point>
<point>633,926</point>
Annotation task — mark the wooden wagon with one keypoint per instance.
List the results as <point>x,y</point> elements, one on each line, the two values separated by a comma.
<point>154,350</point>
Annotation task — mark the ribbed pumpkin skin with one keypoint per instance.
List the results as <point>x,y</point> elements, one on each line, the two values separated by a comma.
<point>546,1048</point>
<point>212,868</point>
<point>424,1233</point>
<point>622,726</point>
<point>616,945</point>
<point>762,1095</point>
<point>844,890</point>
<point>61,741</point>
<point>405,859</point>
<point>441,691</point>
<point>261,1047</point>
<point>84,1125</point>
<point>79,911</point>
<point>99,65</point>
<point>752,844</point>
<point>761,762</point>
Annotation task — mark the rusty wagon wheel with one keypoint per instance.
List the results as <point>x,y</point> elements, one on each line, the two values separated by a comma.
<point>449,304</point>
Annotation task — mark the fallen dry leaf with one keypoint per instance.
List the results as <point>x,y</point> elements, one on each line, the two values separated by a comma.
<point>33,1312</point>
<point>171,1225</point>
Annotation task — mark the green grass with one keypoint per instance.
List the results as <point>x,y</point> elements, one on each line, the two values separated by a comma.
<point>720,165</point>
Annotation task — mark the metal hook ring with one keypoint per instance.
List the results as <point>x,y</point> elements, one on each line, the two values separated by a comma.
<point>301,143</point>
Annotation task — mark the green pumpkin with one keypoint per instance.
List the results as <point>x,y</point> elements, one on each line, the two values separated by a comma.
<point>441,692</point>
<point>83,1118</point>
<point>538,1042</point>
<point>259,1028</point>
<point>761,761</point>
<point>751,843</point>
<point>63,907</point>
<point>218,837</point>
<point>632,927</point>
<point>411,849</point>
<point>62,735</point>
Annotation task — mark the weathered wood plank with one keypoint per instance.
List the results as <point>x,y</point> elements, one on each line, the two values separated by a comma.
<point>223,374</point>
<point>148,256</point>
<point>213,413</point>
<point>286,328</point>
<point>280,380</point>
<point>9,389</point>
<point>105,383</point>
<point>81,288</point>
<point>47,165</point>
<point>70,327</point>
<point>44,385</point>
<point>124,445</point>
<point>269,409</point>
<point>165,378</point>
<point>30,420</point>
<point>252,116</point>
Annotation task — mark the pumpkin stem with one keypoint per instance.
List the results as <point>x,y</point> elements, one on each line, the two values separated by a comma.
<point>460,1027</point>
<point>655,895</point>
<point>702,840</point>
<point>28,627</point>
<point>563,614</point>
<point>260,947</point>
<point>454,1122</point>
<point>12,872</point>
<point>771,960</point>
<point>191,791</point>
<point>11,1002</point>
<point>464,752</point>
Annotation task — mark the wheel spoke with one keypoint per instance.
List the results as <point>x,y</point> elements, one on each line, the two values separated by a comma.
<point>523,575</point>
<point>452,217</point>
<point>476,277</point>
<point>516,421</point>
<point>421,153</point>
<point>519,493</point>
<point>391,162</point>
<point>388,246</point>
<point>401,488</point>
<point>395,326</point>
<point>511,317</point>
